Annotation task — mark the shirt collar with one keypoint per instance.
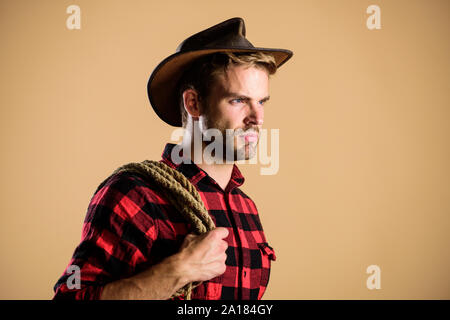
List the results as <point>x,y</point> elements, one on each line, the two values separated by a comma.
<point>195,174</point>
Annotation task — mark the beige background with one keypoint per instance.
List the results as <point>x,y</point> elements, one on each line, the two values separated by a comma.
<point>364,129</point>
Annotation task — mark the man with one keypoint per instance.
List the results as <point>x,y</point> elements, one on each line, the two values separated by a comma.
<point>135,245</point>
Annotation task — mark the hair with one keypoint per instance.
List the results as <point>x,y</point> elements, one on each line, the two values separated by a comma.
<point>201,75</point>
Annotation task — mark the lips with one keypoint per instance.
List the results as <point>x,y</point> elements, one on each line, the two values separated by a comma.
<point>252,137</point>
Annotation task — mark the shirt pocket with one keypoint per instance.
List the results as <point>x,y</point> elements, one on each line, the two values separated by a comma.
<point>267,256</point>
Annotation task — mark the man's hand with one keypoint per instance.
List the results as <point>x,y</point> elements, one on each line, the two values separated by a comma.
<point>203,257</point>
<point>200,258</point>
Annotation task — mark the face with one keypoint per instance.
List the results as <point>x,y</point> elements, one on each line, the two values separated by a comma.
<point>236,102</point>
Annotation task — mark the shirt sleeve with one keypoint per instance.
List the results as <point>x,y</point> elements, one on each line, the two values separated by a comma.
<point>118,233</point>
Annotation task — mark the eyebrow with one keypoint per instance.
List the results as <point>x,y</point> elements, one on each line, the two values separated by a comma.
<point>244,97</point>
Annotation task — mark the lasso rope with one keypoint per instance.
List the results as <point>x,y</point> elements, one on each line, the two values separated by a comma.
<point>182,194</point>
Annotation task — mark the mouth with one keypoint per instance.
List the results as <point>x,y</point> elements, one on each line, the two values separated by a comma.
<point>251,137</point>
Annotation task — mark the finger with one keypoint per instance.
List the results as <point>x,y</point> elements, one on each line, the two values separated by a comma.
<point>223,257</point>
<point>190,236</point>
<point>224,245</point>
<point>220,232</point>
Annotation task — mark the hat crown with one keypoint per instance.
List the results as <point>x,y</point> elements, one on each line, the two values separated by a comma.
<point>230,33</point>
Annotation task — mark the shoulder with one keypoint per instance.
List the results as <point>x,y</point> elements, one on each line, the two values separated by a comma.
<point>122,183</point>
<point>126,192</point>
<point>128,184</point>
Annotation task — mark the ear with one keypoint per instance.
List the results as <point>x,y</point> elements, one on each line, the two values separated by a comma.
<point>191,103</point>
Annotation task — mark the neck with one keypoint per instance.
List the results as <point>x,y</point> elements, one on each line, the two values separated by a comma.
<point>220,172</point>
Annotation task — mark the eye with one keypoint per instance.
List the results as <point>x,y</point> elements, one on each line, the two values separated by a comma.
<point>237,100</point>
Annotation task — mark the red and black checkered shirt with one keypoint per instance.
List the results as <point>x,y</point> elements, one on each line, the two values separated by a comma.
<point>130,226</point>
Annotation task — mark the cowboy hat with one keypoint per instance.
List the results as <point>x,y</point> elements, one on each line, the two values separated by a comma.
<point>227,36</point>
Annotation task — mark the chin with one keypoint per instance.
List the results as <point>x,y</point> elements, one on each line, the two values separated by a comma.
<point>246,152</point>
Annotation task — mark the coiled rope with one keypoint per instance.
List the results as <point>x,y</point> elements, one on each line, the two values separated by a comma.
<point>182,194</point>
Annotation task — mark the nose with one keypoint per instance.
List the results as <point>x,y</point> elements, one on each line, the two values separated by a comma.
<point>255,115</point>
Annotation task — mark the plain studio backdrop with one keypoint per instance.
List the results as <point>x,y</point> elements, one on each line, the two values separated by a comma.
<point>363,119</point>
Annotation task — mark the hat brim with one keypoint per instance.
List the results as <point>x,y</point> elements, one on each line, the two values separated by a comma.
<point>164,79</point>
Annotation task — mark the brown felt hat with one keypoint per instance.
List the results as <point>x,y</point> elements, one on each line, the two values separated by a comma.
<point>227,36</point>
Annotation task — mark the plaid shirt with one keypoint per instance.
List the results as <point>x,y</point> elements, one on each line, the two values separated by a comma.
<point>129,227</point>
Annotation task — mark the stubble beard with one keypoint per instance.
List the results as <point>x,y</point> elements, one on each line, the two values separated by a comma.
<point>233,142</point>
